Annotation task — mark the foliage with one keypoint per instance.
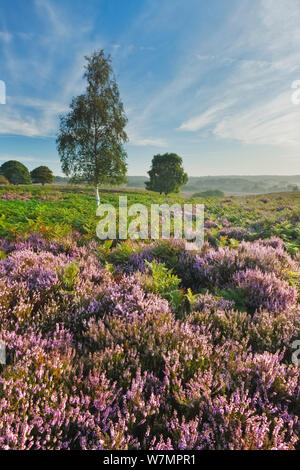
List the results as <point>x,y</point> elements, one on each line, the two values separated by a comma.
<point>69,275</point>
<point>91,136</point>
<point>122,253</point>
<point>15,172</point>
<point>42,174</point>
<point>162,281</point>
<point>265,290</point>
<point>166,174</point>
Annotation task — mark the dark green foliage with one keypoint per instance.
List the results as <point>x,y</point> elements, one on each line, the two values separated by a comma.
<point>162,281</point>
<point>15,172</point>
<point>91,135</point>
<point>167,174</point>
<point>42,174</point>
<point>69,276</point>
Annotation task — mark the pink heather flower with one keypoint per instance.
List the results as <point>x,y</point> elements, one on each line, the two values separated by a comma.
<point>101,364</point>
<point>265,290</point>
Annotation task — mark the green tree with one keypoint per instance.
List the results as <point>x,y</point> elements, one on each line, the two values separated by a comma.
<point>15,172</point>
<point>166,174</point>
<point>91,136</point>
<point>42,174</point>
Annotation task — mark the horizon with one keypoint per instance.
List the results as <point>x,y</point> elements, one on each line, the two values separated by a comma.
<point>229,174</point>
<point>218,84</point>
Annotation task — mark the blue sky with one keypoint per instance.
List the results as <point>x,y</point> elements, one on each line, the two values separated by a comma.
<point>210,81</point>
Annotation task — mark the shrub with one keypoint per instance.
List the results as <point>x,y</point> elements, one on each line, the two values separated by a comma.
<point>163,282</point>
<point>238,233</point>
<point>216,268</point>
<point>265,290</point>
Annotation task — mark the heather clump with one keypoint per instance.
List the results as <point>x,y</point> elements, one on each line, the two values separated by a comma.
<point>216,268</point>
<point>15,196</point>
<point>259,332</point>
<point>163,251</point>
<point>238,233</point>
<point>231,424</point>
<point>264,290</point>
<point>209,303</point>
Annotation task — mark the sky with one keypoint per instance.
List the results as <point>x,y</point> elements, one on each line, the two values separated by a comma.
<point>210,81</point>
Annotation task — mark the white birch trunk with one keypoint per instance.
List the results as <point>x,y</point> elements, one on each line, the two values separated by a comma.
<point>97,196</point>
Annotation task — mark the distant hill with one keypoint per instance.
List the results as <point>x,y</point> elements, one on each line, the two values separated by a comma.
<point>231,184</point>
<point>228,184</point>
<point>61,180</point>
<point>136,181</point>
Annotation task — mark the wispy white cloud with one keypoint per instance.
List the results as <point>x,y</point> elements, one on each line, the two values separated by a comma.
<point>204,119</point>
<point>138,136</point>
<point>274,123</point>
<point>5,36</point>
<point>12,122</point>
<point>147,142</point>
<point>30,117</point>
<point>20,158</point>
<point>38,117</point>
<point>265,60</point>
<point>51,13</point>
<point>281,24</point>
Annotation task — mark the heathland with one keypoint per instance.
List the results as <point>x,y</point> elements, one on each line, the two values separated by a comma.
<point>141,344</point>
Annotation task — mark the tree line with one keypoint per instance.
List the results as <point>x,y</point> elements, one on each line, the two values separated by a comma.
<point>14,172</point>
